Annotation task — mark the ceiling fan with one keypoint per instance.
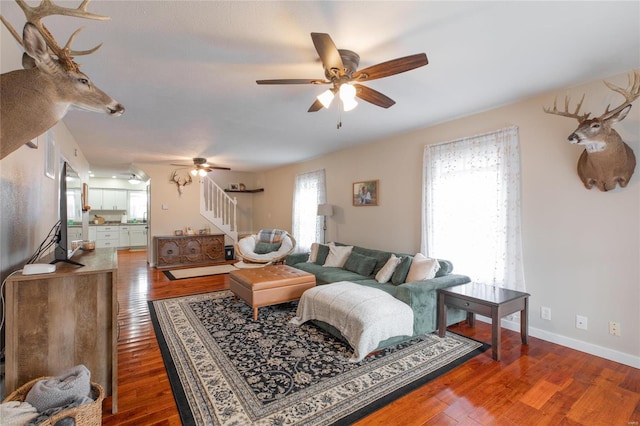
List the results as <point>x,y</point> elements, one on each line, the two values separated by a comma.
<point>340,70</point>
<point>200,166</point>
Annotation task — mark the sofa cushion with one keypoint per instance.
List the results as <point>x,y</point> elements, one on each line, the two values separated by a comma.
<point>400,274</point>
<point>337,255</point>
<point>264,248</point>
<point>422,268</point>
<point>384,274</point>
<point>323,252</point>
<point>328,274</point>
<point>360,264</point>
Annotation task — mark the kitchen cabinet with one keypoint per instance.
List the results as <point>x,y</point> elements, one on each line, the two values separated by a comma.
<point>108,199</point>
<point>138,236</point>
<point>107,236</point>
<point>124,240</point>
<point>188,250</point>
<point>73,233</point>
<point>58,320</point>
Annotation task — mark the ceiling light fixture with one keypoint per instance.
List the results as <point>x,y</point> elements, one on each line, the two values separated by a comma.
<point>134,180</point>
<point>348,97</point>
<point>198,171</point>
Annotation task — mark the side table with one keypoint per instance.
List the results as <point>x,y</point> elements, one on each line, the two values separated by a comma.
<point>490,301</point>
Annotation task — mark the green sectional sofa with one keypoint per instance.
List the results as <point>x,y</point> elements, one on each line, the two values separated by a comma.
<point>421,296</point>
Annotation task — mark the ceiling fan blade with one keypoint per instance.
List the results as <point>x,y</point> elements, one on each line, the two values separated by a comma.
<point>392,67</point>
<point>182,165</point>
<point>293,81</point>
<point>328,52</point>
<point>316,106</point>
<point>373,96</point>
<point>218,168</point>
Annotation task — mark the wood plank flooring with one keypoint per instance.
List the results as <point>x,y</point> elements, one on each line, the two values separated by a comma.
<point>539,384</point>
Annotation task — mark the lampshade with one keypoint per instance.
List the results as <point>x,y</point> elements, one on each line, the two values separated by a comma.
<point>348,97</point>
<point>325,98</point>
<point>202,172</point>
<point>325,210</point>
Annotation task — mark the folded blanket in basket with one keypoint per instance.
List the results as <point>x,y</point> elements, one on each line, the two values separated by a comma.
<point>16,413</point>
<point>64,389</point>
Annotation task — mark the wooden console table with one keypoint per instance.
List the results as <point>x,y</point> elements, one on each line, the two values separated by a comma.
<point>188,250</point>
<point>69,317</point>
<point>490,301</point>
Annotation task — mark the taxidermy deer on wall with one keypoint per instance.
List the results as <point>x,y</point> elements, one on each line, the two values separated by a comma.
<point>606,160</point>
<point>34,99</point>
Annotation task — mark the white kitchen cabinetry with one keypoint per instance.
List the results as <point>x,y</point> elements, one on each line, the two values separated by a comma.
<point>93,234</point>
<point>107,236</point>
<point>73,233</point>
<point>138,236</point>
<point>124,236</point>
<point>114,199</point>
<point>108,199</point>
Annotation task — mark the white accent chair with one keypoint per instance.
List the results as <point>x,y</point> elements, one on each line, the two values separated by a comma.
<point>245,249</point>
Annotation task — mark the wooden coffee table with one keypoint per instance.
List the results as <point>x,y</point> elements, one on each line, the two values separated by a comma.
<point>269,285</point>
<point>490,301</point>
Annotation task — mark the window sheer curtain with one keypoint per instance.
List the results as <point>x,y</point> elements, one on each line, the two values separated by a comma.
<point>471,207</point>
<point>310,190</point>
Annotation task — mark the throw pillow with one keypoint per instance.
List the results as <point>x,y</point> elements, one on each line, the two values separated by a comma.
<point>384,274</point>
<point>337,255</point>
<point>422,268</point>
<point>400,274</point>
<point>360,264</point>
<point>323,252</point>
<point>313,254</point>
<point>264,248</point>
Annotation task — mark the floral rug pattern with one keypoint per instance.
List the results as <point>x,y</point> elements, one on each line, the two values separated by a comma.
<point>235,371</point>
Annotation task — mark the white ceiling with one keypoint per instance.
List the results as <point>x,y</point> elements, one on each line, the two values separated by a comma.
<point>185,70</point>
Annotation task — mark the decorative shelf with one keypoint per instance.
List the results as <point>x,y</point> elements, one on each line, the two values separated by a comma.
<point>250,191</point>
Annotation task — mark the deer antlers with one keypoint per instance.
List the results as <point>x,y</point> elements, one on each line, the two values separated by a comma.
<point>180,182</point>
<point>631,93</point>
<point>47,8</point>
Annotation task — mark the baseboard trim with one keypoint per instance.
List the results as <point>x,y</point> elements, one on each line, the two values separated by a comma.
<point>579,345</point>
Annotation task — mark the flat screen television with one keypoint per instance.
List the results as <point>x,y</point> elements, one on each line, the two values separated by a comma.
<point>69,190</point>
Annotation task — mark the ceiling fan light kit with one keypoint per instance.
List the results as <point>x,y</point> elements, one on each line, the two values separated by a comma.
<point>340,70</point>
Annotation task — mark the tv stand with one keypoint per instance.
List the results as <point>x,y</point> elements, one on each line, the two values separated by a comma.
<point>62,319</point>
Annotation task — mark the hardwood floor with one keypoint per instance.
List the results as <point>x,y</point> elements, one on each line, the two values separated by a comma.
<point>539,384</point>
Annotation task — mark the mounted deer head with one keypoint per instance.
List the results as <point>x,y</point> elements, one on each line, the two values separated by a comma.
<point>607,160</point>
<point>34,99</point>
<point>180,182</point>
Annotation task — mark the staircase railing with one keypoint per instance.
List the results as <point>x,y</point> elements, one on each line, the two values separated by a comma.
<point>218,207</point>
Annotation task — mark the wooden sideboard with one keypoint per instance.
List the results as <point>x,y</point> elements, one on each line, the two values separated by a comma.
<point>58,320</point>
<point>188,250</point>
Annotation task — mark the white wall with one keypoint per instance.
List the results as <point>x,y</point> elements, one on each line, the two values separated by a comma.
<point>581,248</point>
<point>183,211</point>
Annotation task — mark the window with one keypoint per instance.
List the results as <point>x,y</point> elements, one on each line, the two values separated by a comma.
<point>309,191</point>
<point>137,205</point>
<point>471,212</point>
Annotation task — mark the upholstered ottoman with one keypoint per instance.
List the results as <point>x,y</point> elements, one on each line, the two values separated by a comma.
<point>270,285</point>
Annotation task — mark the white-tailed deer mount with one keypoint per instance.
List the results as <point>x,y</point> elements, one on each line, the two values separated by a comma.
<point>606,160</point>
<point>34,99</point>
<point>180,182</point>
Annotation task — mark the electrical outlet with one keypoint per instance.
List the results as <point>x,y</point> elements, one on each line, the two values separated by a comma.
<point>545,313</point>
<point>581,322</point>
<point>614,328</point>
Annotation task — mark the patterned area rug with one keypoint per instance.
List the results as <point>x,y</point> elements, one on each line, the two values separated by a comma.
<point>226,369</point>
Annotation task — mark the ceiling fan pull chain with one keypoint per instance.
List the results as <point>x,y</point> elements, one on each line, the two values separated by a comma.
<point>339,116</point>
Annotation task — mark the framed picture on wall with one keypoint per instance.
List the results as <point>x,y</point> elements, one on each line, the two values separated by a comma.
<point>366,193</point>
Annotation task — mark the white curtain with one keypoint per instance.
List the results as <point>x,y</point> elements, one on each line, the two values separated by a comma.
<point>471,207</point>
<point>310,190</point>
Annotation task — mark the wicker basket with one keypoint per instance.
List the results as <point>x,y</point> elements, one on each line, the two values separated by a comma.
<point>84,415</point>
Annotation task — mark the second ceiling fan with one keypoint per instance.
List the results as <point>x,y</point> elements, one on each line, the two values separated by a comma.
<point>340,70</point>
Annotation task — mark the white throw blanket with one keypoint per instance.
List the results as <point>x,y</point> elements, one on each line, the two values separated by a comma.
<point>365,316</point>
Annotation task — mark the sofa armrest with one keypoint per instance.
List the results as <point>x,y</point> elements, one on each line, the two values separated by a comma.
<point>420,295</point>
<point>294,258</point>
